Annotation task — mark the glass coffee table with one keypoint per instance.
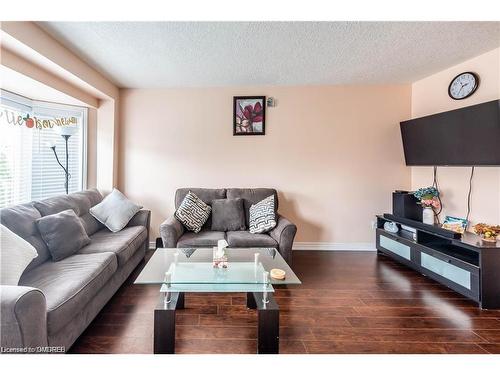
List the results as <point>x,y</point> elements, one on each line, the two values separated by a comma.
<point>179,271</point>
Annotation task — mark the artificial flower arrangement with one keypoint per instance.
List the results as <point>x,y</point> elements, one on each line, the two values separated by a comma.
<point>428,197</point>
<point>487,232</point>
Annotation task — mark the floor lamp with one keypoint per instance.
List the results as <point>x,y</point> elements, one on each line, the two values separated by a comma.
<point>66,132</point>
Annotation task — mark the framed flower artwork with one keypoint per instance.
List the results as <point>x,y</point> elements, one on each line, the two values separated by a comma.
<point>249,115</point>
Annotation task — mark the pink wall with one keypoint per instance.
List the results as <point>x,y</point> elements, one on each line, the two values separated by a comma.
<point>333,152</point>
<point>430,95</point>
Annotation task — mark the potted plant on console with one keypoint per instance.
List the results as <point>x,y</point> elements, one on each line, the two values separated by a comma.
<point>429,200</point>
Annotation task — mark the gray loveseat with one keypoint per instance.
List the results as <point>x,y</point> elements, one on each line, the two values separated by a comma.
<point>174,234</point>
<point>56,301</point>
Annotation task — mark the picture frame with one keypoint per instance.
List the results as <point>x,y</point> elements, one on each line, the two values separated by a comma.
<point>249,115</point>
<point>455,224</point>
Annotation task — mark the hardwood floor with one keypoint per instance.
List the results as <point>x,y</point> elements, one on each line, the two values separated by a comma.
<point>349,302</point>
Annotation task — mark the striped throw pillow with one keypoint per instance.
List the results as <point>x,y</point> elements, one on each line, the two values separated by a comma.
<point>193,212</point>
<point>262,216</point>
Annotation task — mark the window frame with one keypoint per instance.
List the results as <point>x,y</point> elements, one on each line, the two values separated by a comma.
<point>35,105</point>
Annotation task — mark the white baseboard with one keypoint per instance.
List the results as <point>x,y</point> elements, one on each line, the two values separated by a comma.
<point>322,246</point>
<point>334,246</point>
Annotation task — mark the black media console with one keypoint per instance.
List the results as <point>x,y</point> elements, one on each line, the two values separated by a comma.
<point>464,263</point>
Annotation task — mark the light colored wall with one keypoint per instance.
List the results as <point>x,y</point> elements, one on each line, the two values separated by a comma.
<point>92,148</point>
<point>333,152</point>
<point>430,95</point>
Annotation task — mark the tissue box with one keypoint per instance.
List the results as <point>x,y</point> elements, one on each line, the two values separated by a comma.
<point>219,261</point>
<point>219,255</point>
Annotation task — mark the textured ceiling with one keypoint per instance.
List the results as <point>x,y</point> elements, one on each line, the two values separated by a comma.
<point>195,54</point>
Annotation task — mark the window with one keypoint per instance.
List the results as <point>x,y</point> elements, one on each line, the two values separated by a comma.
<point>28,168</point>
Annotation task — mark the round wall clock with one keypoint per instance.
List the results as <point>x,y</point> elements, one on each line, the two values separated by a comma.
<point>463,85</point>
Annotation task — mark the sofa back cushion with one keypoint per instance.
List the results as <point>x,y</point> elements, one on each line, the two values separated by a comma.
<point>21,220</point>
<point>252,196</point>
<point>228,215</point>
<point>79,202</point>
<point>206,195</point>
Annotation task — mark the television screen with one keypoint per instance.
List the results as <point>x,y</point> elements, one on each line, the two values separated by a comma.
<point>462,137</point>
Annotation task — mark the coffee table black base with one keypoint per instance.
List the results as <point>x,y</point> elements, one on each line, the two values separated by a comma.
<point>164,323</point>
<point>268,322</point>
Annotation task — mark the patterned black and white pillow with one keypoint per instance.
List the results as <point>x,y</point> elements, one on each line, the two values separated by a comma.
<point>262,216</point>
<point>193,212</point>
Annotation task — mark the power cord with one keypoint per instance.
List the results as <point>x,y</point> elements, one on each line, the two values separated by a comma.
<point>435,184</point>
<point>469,198</point>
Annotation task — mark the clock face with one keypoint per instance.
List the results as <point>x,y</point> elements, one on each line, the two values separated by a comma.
<point>463,85</point>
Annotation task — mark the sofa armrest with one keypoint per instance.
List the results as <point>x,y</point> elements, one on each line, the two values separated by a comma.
<point>284,233</point>
<point>23,318</point>
<point>170,231</point>
<point>142,218</point>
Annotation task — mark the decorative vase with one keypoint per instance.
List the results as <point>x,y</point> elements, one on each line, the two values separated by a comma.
<point>428,216</point>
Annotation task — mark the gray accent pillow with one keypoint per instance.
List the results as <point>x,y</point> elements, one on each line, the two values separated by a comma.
<point>115,211</point>
<point>262,216</point>
<point>193,212</point>
<point>228,215</point>
<point>63,233</point>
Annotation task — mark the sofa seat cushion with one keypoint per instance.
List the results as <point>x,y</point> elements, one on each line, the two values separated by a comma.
<point>205,238</point>
<point>123,243</point>
<point>68,285</point>
<point>247,239</point>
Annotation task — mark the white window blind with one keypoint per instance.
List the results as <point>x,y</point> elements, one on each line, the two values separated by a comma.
<point>28,167</point>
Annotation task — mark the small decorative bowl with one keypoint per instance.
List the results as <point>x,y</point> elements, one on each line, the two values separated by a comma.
<point>489,239</point>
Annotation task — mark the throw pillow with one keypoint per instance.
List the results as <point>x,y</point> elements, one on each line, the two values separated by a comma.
<point>262,216</point>
<point>193,212</point>
<point>115,211</point>
<point>228,214</point>
<point>63,233</point>
<point>15,255</point>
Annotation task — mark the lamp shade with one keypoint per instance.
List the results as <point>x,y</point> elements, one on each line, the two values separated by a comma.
<point>66,130</point>
<point>50,144</point>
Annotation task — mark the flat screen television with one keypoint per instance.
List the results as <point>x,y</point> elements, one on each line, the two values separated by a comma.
<point>463,137</point>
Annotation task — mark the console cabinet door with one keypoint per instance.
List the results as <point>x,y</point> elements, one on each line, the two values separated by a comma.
<point>457,275</point>
<point>395,247</point>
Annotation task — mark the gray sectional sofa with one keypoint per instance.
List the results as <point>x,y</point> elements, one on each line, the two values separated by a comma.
<point>174,234</point>
<point>56,301</point>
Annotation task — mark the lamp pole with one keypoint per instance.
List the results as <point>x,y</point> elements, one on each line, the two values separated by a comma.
<point>65,169</point>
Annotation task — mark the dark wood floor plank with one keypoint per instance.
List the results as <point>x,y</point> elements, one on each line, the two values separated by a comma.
<point>215,346</point>
<point>396,335</point>
<point>490,335</point>
<point>491,348</point>
<point>452,312</point>
<point>423,322</point>
<point>349,302</point>
<point>416,302</point>
<point>350,347</point>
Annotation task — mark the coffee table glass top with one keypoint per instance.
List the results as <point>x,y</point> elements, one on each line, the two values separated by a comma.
<point>192,270</point>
